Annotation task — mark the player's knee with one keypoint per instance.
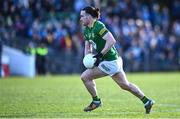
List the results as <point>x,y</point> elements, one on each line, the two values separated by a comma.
<point>84,77</point>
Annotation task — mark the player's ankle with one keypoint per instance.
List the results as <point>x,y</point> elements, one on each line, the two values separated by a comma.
<point>144,99</point>
<point>96,98</point>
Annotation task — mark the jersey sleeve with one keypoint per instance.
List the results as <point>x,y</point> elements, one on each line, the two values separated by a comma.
<point>101,29</point>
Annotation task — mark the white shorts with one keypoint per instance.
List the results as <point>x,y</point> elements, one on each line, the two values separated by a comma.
<point>111,67</point>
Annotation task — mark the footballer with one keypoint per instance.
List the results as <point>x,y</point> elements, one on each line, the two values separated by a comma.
<point>108,61</point>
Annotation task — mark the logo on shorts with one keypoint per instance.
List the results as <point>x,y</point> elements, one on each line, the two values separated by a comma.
<point>105,68</point>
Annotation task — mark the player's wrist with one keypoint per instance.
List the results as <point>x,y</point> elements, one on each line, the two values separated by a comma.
<point>100,55</point>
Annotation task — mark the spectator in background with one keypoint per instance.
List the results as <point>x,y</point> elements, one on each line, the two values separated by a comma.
<point>31,49</point>
<point>78,52</point>
<point>0,58</point>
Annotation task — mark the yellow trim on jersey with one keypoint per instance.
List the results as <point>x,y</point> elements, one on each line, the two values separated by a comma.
<point>102,31</point>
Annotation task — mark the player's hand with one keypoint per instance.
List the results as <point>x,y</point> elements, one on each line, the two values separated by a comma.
<point>98,58</point>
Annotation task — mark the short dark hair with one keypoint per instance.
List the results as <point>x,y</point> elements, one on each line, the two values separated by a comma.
<point>94,12</point>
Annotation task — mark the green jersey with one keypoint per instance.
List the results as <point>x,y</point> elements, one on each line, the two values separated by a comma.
<point>94,36</point>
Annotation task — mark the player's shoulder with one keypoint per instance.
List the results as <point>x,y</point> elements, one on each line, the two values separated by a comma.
<point>99,23</point>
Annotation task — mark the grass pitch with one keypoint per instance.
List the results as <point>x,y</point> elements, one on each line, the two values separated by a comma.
<point>65,97</point>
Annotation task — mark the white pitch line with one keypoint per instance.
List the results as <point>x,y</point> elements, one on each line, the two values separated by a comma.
<point>169,105</point>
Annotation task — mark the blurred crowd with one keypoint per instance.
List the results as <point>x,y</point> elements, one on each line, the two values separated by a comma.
<point>147,32</point>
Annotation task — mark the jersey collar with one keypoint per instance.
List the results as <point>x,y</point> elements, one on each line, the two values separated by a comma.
<point>92,24</point>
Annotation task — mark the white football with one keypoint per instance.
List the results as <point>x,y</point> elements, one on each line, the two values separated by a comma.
<point>89,61</point>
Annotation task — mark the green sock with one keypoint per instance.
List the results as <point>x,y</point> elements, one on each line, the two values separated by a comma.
<point>144,99</point>
<point>96,98</point>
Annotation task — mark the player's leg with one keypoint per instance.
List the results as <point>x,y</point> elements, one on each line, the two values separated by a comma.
<point>121,80</point>
<point>88,77</point>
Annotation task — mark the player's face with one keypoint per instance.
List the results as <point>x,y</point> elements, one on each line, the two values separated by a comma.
<point>84,18</point>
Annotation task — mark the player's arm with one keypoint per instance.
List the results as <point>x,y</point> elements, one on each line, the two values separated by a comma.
<point>88,48</point>
<point>110,41</point>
